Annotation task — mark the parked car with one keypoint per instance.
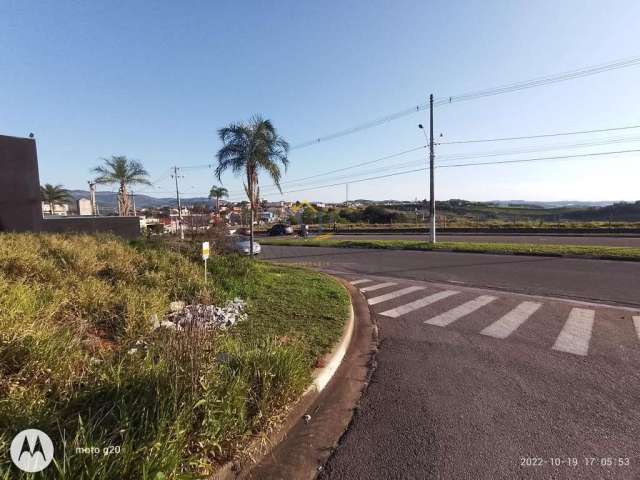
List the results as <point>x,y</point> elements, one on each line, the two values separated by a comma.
<point>280,229</point>
<point>243,231</point>
<point>243,246</point>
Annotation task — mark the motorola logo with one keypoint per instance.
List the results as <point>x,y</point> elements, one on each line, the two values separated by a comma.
<point>31,450</point>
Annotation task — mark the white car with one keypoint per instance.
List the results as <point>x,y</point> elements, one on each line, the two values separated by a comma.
<point>243,246</point>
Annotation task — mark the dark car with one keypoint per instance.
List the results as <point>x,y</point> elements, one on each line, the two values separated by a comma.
<point>280,229</point>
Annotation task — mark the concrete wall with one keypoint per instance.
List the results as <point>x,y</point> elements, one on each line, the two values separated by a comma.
<point>127,227</point>
<point>20,207</point>
<point>20,204</point>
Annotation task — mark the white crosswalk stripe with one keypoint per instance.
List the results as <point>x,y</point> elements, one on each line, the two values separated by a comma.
<point>576,333</point>
<point>460,311</point>
<point>512,320</point>
<point>574,337</point>
<point>378,286</point>
<point>392,295</point>
<point>423,302</point>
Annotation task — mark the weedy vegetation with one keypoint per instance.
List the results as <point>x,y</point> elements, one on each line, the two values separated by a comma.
<point>80,359</point>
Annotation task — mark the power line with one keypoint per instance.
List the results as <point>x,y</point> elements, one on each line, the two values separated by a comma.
<point>455,156</point>
<point>368,162</point>
<point>347,176</point>
<point>535,82</point>
<point>360,127</point>
<point>443,158</point>
<point>525,160</point>
<point>451,157</point>
<point>546,135</point>
<point>498,162</point>
<point>540,81</point>
<point>498,153</point>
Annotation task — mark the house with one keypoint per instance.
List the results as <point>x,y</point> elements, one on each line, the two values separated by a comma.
<point>84,206</point>
<point>267,216</point>
<point>58,209</point>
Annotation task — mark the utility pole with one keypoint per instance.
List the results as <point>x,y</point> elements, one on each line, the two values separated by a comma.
<point>92,197</point>
<point>175,176</point>
<point>432,197</point>
<point>346,203</point>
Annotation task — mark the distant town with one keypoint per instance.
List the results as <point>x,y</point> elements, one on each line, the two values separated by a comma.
<point>161,215</point>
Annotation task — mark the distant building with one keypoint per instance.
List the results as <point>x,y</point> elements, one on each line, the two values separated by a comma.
<point>84,207</point>
<point>58,209</point>
<point>267,216</point>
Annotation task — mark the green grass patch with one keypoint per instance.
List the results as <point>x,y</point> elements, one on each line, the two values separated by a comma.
<point>79,358</point>
<point>587,251</point>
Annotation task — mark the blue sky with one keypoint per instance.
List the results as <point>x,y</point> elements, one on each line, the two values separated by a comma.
<point>155,80</point>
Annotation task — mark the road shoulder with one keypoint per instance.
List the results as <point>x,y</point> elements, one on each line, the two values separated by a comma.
<point>300,447</point>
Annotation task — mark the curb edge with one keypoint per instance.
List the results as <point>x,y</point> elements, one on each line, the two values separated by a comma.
<point>258,448</point>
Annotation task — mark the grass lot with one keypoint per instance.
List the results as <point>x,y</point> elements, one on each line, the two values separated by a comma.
<point>600,252</point>
<point>471,224</point>
<point>73,307</point>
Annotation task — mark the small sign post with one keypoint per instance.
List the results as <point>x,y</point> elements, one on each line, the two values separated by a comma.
<point>205,256</point>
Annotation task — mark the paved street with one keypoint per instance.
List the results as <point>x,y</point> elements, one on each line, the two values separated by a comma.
<point>593,280</point>
<point>476,383</point>
<point>612,241</point>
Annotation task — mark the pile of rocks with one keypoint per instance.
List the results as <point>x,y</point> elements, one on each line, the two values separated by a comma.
<point>208,317</point>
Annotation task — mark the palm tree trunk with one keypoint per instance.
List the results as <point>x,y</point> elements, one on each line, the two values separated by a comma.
<point>251,234</point>
<point>52,205</point>
<point>251,188</point>
<point>124,200</point>
<point>218,206</point>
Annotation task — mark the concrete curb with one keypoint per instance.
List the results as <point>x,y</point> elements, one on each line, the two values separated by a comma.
<point>264,445</point>
<point>321,376</point>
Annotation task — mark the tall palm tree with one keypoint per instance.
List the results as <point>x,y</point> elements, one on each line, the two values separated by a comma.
<point>247,149</point>
<point>217,193</point>
<point>54,195</point>
<point>119,169</point>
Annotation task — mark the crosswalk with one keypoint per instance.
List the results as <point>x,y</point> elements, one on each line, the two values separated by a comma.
<point>512,320</point>
<point>392,295</point>
<point>574,337</point>
<point>377,286</point>
<point>460,311</point>
<point>576,333</point>
<point>423,302</point>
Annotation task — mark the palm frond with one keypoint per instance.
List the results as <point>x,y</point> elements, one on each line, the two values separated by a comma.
<point>120,169</point>
<point>250,148</point>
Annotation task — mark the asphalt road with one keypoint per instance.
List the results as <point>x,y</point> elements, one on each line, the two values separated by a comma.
<point>593,280</point>
<point>477,383</point>
<point>613,241</point>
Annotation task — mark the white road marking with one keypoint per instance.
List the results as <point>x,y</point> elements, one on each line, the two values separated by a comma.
<point>460,311</point>
<point>377,287</point>
<point>512,320</point>
<point>392,295</point>
<point>636,322</point>
<point>358,282</point>
<point>423,302</point>
<point>576,333</point>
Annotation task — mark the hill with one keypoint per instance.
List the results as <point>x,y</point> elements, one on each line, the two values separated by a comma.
<point>109,200</point>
